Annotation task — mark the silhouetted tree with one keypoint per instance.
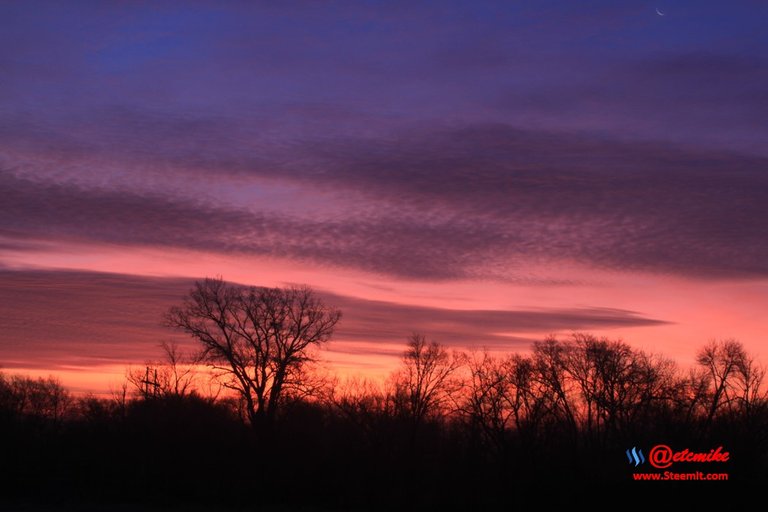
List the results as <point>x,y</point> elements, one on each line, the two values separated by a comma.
<point>260,339</point>
<point>749,384</point>
<point>616,384</point>
<point>424,384</point>
<point>26,397</point>
<point>175,375</point>
<point>550,359</point>
<point>734,378</point>
<point>491,403</point>
<point>530,400</point>
<point>721,360</point>
<point>363,403</point>
<point>361,449</point>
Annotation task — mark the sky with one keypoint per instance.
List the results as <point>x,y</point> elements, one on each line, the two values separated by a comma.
<point>485,173</point>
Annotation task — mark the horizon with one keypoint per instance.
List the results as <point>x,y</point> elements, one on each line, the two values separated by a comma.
<point>486,175</point>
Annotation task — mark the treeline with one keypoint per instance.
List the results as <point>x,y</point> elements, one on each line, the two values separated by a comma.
<point>587,387</point>
<point>459,427</point>
<point>262,429</point>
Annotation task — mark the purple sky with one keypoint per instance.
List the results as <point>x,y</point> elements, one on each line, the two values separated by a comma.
<point>486,172</point>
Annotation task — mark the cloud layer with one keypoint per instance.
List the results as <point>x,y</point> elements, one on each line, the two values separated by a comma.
<point>431,142</point>
<point>478,202</point>
<point>476,155</point>
<point>55,319</point>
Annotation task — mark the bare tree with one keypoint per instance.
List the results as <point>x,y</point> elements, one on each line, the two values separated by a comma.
<point>119,396</point>
<point>722,361</point>
<point>174,376</point>
<point>616,383</point>
<point>530,399</point>
<point>550,359</point>
<point>259,339</point>
<point>363,402</point>
<point>491,403</point>
<point>585,362</point>
<point>749,384</point>
<point>25,396</point>
<point>602,387</point>
<point>424,385</point>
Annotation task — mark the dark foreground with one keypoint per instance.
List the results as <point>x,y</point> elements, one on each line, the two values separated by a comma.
<point>190,454</point>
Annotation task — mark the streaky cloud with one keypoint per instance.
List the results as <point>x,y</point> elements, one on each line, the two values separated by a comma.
<point>466,202</point>
<point>57,319</point>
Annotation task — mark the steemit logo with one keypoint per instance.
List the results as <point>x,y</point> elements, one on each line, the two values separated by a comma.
<point>636,456</point>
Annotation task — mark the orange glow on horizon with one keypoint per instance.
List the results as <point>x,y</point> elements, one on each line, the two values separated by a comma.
<point>696,310</point>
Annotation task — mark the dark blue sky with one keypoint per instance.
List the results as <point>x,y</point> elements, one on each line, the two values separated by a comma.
<point>696,75</point>
<point>464,124</point>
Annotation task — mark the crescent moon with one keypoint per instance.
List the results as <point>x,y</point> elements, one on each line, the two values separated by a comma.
<point>659,12</point>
